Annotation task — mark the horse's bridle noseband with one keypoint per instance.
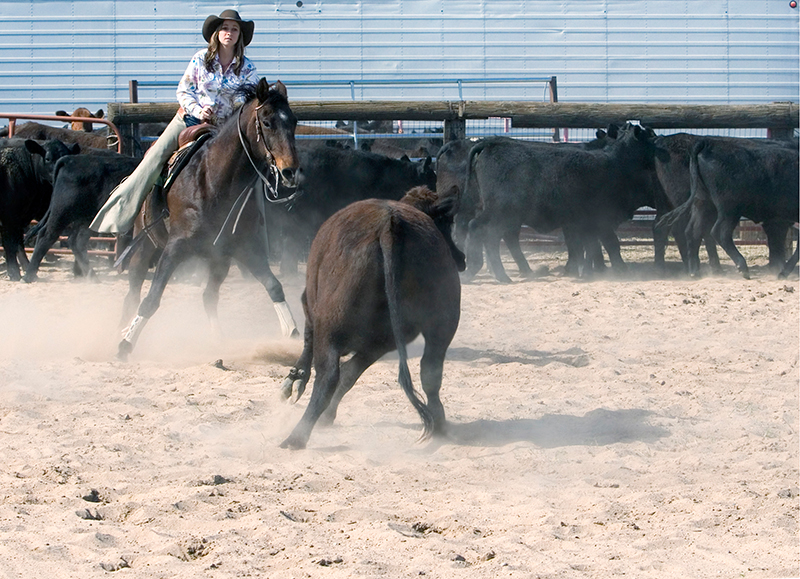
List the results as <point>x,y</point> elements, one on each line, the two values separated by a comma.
<point>270,190</point>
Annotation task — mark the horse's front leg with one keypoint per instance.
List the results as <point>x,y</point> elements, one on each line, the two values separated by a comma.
<point>174,253</point>
<point>252,254</point>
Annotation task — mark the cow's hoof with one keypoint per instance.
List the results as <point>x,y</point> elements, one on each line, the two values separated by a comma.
<point>286,389</point>
<point>30,278</point>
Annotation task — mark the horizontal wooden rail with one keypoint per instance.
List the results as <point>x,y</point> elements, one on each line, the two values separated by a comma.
<point>523,114</point>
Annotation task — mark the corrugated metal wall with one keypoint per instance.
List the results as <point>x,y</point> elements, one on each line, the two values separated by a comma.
<point>62,54</point>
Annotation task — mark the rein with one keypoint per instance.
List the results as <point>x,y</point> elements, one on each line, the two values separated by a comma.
<point>270,191</point>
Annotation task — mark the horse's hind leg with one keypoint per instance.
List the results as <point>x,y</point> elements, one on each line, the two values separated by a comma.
<point>218,271</point>
<point>137,271</point>
<point>258,264</point>
<point>173,255</point>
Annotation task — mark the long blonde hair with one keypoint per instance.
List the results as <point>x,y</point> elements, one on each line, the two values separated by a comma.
<point>213,50</point>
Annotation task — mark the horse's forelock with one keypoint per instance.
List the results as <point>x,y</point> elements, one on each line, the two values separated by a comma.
<point>276,98</point>
<point>250,92</point>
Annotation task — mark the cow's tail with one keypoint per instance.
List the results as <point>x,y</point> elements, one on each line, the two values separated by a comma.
<point>36,228</point>
<point>696,185</point>
<point>473,152</point>
<point>390,242</point>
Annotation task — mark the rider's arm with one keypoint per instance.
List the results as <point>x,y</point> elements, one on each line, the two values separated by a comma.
<point>189,93</point>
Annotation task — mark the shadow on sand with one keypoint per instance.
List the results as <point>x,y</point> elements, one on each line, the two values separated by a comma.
<point>596,428</point>
<point>571,356</point>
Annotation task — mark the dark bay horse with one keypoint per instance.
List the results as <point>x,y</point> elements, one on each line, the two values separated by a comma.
<point>210,211</point>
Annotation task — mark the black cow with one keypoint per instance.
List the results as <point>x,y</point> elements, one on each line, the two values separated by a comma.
<point>25,189</point>
<point>81,185</point>
<point>585,192</point>
<point>451,169</point>
<point>331,178</point>
<point>735,179</point>
<point>674,184</point>
<point>380,273</point>
<point>672,187</point>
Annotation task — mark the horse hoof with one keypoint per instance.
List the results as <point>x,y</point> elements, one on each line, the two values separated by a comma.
<point>293,443</point>
<point>125,348</point>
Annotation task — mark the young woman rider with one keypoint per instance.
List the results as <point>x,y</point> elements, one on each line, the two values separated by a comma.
<point>206,94</point>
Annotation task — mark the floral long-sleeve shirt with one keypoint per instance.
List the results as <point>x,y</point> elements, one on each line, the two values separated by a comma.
<point>200,87</point>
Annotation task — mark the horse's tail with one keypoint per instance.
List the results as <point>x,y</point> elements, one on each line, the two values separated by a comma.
<point>125,257</point>
<point>390,248</point>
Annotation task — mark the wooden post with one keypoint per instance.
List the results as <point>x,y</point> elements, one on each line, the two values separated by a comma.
<point>454,129</point>
<point>133,91</point>
<point>133,139</point>
<point>554,99</point>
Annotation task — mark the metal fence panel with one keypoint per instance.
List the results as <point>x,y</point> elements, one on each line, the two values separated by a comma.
<point>60,54</point>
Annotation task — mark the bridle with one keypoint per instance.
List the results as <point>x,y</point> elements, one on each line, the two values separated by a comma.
<point>270,190</point>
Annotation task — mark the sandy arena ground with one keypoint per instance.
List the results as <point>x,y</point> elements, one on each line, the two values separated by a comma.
<point>639,427</point>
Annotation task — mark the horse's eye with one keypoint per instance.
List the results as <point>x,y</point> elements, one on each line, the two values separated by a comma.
<point>267,124</point>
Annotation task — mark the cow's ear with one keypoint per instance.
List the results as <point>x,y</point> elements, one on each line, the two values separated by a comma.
<point>61,114</point>
<point>426,165</point>
<point>34,148</point>
<point>600,134</point>
<point>405,159</point>
<point>99,114</point>
<point>613,130</point>
<point>74,149</point>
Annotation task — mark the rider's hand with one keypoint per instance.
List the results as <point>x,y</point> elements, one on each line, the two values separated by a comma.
<point>207,115</point>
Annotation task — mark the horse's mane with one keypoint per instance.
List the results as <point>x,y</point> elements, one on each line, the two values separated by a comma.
<point>249,91</point>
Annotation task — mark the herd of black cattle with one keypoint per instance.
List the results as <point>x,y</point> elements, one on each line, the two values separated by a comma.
<point>700,187</point>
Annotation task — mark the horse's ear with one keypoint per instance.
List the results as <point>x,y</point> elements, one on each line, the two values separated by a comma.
<point>262,90</point>
<point>280,87</point>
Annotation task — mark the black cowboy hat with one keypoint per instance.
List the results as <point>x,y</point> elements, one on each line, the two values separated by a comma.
<point>212,23</point>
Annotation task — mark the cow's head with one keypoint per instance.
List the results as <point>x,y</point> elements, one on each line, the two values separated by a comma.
<point>442,209</point>
<point>83,113</point>
<point>50,152</point>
